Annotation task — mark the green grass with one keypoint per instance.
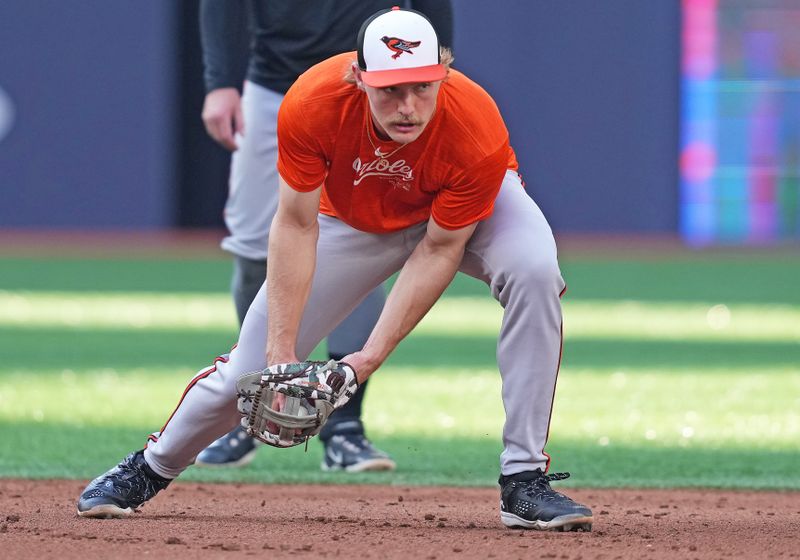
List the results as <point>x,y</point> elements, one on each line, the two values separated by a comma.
<point>696,277</point>
<point>680,372</point>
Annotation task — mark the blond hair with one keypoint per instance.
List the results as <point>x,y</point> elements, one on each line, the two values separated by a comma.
<point>446,58</point>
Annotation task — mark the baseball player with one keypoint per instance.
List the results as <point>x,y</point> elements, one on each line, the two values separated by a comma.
<point>287,37</point>
<point>403,165</point>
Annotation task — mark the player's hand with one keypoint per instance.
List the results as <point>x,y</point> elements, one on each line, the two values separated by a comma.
<point>222,115</point>
<point>285,404</point>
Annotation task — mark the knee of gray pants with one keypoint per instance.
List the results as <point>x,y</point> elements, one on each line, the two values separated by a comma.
<point>528,278</point>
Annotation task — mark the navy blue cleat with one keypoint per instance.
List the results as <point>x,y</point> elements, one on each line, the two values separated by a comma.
<point>234,449</point>
<point>121,490</point>
<point>528,502</point>
<point>354,453</point>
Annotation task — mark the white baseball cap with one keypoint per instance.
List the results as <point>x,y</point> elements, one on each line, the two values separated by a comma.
<point>399,47</point>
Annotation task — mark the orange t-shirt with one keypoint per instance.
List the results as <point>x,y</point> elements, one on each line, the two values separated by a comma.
<point>452,171</point>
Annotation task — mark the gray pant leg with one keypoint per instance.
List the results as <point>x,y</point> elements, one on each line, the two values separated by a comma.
<point>248,275</point>
<point>253,186</point>
<point>515,253</point>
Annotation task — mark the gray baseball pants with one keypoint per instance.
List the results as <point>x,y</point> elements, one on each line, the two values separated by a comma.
<point>513,252</point>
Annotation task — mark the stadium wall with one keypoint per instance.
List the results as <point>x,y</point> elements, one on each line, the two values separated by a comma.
<point>99,111</point>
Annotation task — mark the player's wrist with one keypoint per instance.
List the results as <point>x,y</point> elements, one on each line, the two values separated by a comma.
<point>226,91</point>
<point>281,357</point>
<point>363,363</point>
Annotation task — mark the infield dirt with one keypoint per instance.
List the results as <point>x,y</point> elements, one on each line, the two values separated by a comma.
<point>190,520</point>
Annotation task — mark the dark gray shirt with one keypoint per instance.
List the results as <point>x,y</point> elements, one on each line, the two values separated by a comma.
<point>272,42</point>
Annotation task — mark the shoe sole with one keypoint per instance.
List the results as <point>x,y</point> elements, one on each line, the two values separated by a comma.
<point>364,466</point>
<point>570,522</point>
<point>106,511</point>
<point>243,461</point>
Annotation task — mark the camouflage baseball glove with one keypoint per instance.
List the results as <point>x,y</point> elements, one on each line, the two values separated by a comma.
<point>286,404</point>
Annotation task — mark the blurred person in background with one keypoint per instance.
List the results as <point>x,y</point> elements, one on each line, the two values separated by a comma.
<point>253,51</point>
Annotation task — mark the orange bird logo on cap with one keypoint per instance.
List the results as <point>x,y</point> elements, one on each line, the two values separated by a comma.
<point>400,46</point>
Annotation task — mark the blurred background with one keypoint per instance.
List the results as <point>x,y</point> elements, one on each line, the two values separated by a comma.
<point>660,117</point>
<point>660,137</point>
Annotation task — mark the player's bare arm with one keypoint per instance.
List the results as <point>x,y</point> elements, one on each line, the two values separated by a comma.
<point>293,246</point>
<point>223,117</point>
<point>424,277</point>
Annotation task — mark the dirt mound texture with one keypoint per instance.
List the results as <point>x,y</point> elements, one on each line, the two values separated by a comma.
<point>190,520</point>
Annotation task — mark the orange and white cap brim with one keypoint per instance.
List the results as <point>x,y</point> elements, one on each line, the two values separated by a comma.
<point>386,78</point>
